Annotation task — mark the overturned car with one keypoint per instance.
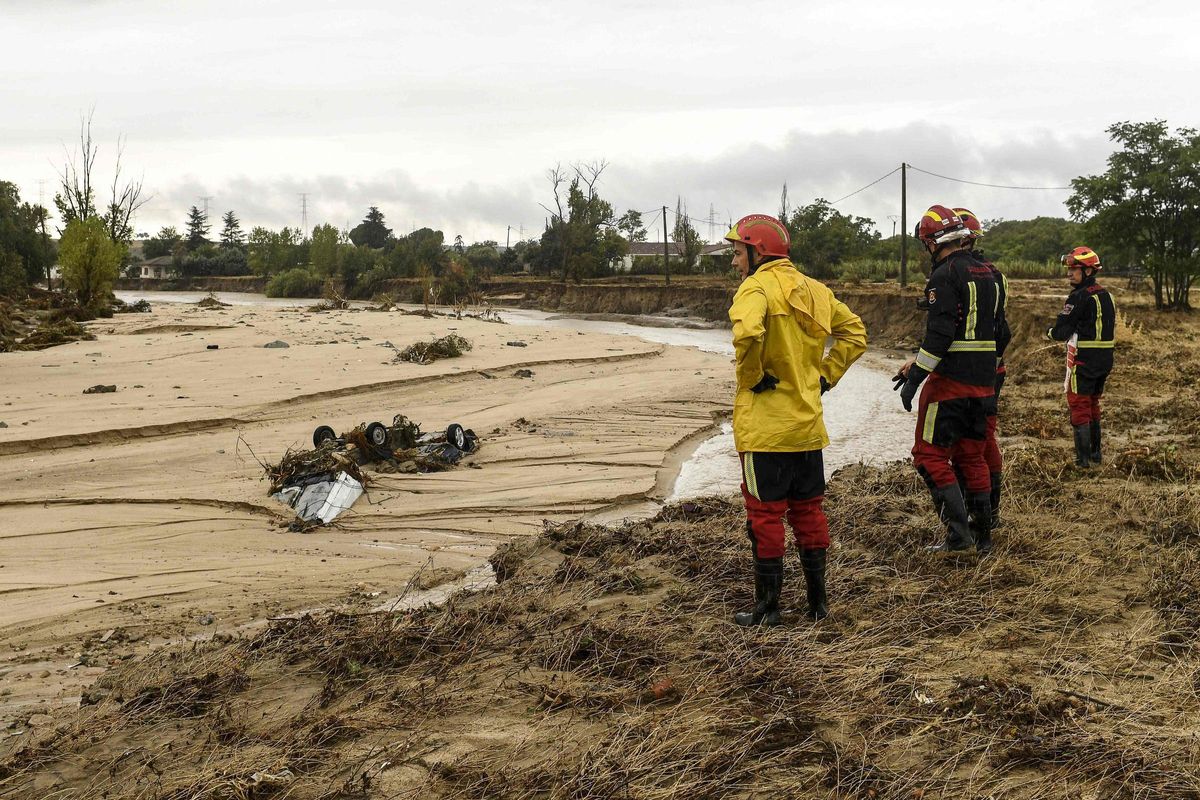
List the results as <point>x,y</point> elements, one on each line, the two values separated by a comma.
<point>386,441</point>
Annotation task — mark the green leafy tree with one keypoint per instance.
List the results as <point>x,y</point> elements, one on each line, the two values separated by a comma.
<point>823,237</point>
<point>324,250</point>
<point>271,252</point>
<point>1145,208</point>
<point>424,248</point>
<point>371,232</point>
<point>231,231</point>
<point>483,257</point>
<point>12,274</point>
<point>355,262</point>
<point>162,243</point>
<point>576,237</point>
<point>197,229</point>
<point>22,234</point>
<point>631,225</point>
<point>687,239</point>
<point>1038,239</point>
<point>459,246</point>
<point>90,260</point>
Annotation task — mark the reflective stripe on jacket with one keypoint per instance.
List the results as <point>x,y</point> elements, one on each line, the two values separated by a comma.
<point>781,320</point>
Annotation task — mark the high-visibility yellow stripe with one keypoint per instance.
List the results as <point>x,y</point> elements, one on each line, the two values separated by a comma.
<point>972,310</point>
<point>1074,383</point>
<point>751,478</point>
<point>1095,345</point>
<point>927,361</point>
<point>1004,280</point>
<point>978,346</point>
<point>932,215</point>
<point>930,419</point>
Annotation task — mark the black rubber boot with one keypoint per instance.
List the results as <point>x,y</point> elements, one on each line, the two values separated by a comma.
<point>995,499</point>
<point>1095,441</point>
<point>981,522</point>
<point>814,577</point>
<point>953,511</point>
<point>1083,445</point>
<point>768,584</point>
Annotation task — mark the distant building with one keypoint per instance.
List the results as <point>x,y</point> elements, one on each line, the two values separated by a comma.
<point>655,250</point>
<point>158,268</point>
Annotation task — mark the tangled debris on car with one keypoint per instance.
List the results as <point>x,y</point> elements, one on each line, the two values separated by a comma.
<point>321,483</point>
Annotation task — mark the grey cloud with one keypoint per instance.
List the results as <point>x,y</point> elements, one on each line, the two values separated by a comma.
<point>742,180</point>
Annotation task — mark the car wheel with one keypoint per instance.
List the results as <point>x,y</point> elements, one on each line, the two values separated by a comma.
<point>323,434</point>
<point>377,435</point>
<point>456,436</point>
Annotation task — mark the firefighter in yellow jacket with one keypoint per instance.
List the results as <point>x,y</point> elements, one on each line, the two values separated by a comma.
<point>781,321</point>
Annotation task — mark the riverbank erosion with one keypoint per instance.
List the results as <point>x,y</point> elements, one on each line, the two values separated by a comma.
<point>142,512</point>
<point>604,665</point>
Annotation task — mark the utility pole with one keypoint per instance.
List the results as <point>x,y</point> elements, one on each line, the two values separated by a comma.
<point>903,224</point>
<point>303,215</point>
<point>507,236</point>
<point>666,249</point>
<point>204,199</point>
<point>712,222</point>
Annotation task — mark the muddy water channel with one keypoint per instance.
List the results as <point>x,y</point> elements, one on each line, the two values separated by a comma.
<point>863,415</point>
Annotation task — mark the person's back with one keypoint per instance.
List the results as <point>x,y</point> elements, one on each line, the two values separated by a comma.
<point>781,320</point>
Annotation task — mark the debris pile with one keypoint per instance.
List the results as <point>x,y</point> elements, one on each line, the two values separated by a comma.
<point>611,651</point>
<point>451,346</point>
<point>321,483</point>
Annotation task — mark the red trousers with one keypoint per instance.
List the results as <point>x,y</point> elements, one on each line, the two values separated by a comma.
<point>779,485</point>
<point>1084,408</point>
<point>952,425</point>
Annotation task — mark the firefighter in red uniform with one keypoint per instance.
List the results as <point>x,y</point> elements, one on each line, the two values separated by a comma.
<point>1088,325</point>
<point>958,356</point>
<point>991,450</point>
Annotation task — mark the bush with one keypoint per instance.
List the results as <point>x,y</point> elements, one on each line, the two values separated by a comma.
<point>295,282</point>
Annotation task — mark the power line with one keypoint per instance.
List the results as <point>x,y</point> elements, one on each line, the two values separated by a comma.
<point>992,185</point>
<point>868,186</point>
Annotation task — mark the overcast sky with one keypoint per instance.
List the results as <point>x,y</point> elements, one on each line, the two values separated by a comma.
<point>448,114</point>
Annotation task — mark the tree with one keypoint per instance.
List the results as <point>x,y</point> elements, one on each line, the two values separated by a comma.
<point>823,237</point>
<point>631,225</point>
<point>197,228</point>
<point>575,238</point>
<point>231,232</point>
<point>323,250</point>
<point>76,198</point>
<point>420,250</point>
<point>271,252</point>
<point>483,257</point>
<point>90,260</point>
<point>1039,239</point>
<point>687,238</point>
<point>371,232</point>
<point>162,243</point>
<point>1145,208</point>
<point>21,237</point>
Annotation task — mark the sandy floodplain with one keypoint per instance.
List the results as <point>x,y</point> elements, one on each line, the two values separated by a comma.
<point>139,517</point>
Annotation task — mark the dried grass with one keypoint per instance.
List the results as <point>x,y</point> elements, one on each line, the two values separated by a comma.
<point>451,346</point>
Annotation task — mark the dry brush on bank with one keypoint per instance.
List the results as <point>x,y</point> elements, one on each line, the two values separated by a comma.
<point>604,665</point>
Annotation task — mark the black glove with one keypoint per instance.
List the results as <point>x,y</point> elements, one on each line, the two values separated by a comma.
<point>916,376</point>
<point>898,380</point>
<point>768,381</point>
<point>825,387</point>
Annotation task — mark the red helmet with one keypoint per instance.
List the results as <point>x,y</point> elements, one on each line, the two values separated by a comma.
<point>766,235</point>
<point>1084,257</point>
<point>940,225</point>
<point>974,229</point>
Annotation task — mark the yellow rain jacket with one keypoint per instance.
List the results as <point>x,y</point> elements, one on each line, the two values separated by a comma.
<point>781,320</point>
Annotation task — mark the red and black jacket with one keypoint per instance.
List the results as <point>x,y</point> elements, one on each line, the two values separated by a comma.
<point>963,302</point>
<point>1089,317</point>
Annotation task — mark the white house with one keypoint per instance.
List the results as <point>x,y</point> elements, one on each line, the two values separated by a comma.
<point>655,250</point>
<point>158,268</point>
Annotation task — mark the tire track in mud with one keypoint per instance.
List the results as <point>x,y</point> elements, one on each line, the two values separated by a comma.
<point>230,505</point>
<point>262,412</point>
